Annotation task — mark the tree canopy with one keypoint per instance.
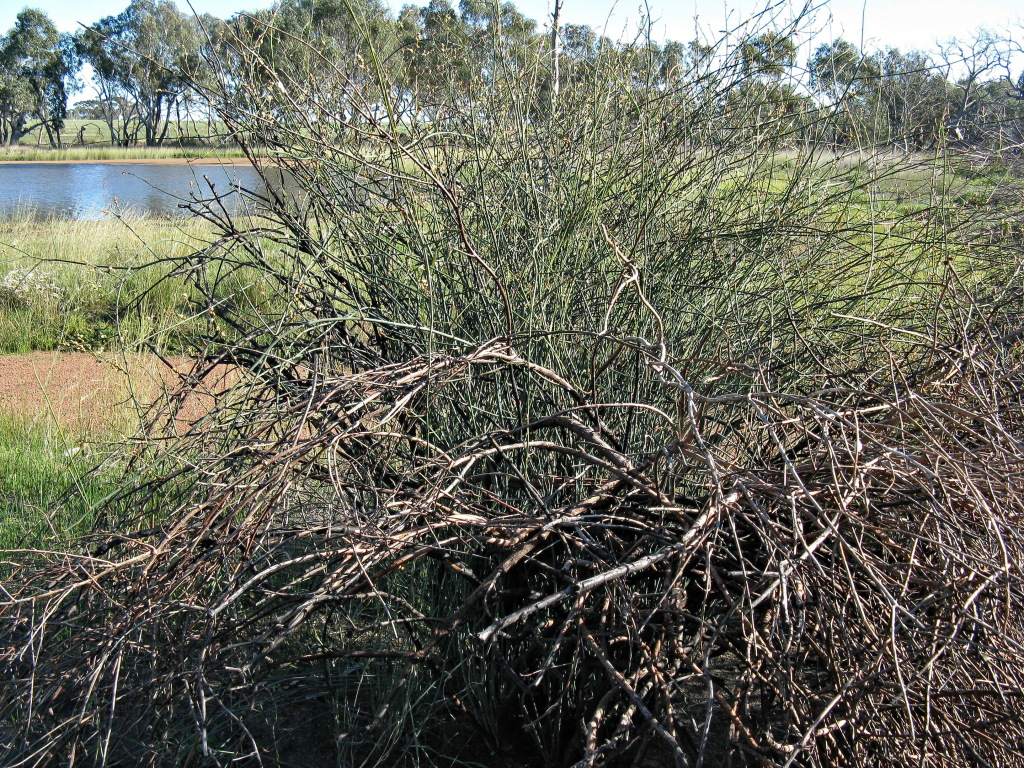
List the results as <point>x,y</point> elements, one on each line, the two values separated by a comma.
<point>151,62</point>
<point>37,73</point>
<point>142,59</point>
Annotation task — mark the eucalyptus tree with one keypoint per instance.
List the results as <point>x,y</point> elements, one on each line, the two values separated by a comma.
<point>1000,114</point>
<point>500,38</point>
<point>334,40</point>
<point>142,59</point>
<point>673,63</point>
<point>842,75</point>
<point>765,92</point>
<point>911,99</point>
<point>767,55</point>
<point>506,42</point>
<point>37,72</point>
<point>437,47</point>
<point>963,94</point>
<point>970,62</point>
<point>194,105</point>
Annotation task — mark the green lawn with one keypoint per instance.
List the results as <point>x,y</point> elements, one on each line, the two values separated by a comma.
<point>88,132</point>
<point>89,140</point>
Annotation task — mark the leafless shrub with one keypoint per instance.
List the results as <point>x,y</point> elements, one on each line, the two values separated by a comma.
<point>590,438</point>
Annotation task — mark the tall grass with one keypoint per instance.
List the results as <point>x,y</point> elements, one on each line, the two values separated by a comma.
<point>116,155</point>
<point>42,464</point>
<point>618,429</point>
<point>92,285</point>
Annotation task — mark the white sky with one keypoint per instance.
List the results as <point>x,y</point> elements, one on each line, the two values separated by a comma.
<point>69,14</point>
<point>904,24</point>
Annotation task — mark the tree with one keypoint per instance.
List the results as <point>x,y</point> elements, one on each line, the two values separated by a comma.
<point>843,75</point>
<point>767,56</point>
<point>840,71</point>
<point>141,60</point>
<point>910,99</point>
<point>673,63</point>
<point>889,96</point>
<point>973,61</point>
<point>37,69</point>
<point>492,27</point>
<point>330,41</point>
<point>762,97</point>
<point>436,43</point>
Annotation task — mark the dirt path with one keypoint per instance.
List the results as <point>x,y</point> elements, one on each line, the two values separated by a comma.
<point>82,391</point>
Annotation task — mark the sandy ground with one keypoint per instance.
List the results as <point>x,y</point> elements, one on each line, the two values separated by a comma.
<point>85,392</point>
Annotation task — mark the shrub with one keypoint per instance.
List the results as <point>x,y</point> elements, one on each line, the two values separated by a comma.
<point>597,430</point>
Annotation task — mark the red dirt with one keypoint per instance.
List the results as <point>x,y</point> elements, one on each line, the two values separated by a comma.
<point>83,391</point>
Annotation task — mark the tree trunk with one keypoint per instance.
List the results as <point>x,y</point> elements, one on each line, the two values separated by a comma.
<point>555,53</point>
<point>18,130</point>
<point>167,124</point>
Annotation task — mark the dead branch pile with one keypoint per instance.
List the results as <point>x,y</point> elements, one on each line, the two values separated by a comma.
<point>827,578</point>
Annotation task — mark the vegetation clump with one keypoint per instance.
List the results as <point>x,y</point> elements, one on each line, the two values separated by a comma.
<point>623,422</point>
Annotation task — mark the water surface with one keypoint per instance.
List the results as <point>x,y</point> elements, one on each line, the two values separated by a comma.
<point>95,190</point>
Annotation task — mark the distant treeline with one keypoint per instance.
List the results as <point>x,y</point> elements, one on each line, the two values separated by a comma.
<point>155,66</point>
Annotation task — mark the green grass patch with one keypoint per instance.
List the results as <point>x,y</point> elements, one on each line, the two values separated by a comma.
<point>42,465</point>
<point>88,285</point>
<point>86,132</point>
<point>112,284</point>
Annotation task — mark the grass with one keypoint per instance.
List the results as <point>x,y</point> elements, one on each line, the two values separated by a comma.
<point>84,132</point>
<point>89,141</point>
<point>40,465</point>
<point>68,284</point>
<point>115,154</point>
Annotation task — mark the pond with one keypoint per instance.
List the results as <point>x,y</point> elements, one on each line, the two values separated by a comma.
<point>94,190</point>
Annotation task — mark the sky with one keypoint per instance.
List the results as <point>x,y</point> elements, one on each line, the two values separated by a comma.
<point>69,14</point>
<point>904,24</point>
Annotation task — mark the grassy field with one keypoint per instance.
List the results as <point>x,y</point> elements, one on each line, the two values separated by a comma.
<point>89,140</point>
<point>90,132</point>
<point>86,285</point>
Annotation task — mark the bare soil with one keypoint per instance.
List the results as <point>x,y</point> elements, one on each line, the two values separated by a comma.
<point>86,392</point>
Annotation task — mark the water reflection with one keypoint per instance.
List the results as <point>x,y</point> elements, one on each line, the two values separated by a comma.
<point>93,190</point>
